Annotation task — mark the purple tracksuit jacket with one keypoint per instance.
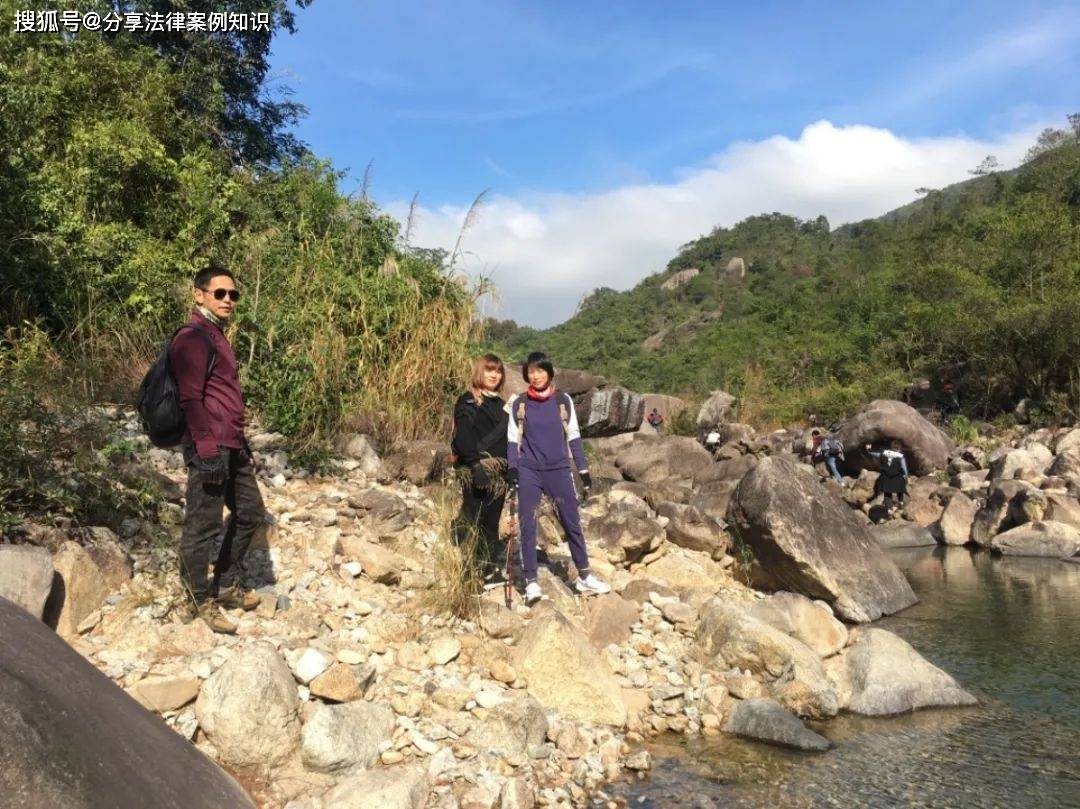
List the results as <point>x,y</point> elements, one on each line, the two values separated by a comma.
<point>541,450</point>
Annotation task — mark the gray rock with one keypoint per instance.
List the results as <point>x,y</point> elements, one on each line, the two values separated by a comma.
<point>404,787</point>
<point>639,590</point>
<point>609,620</point>
<point>498,621</point>
<point>346,737</point>
<point>996,514</point>
<point>766,721</point>
<point>609,411</point>
<point>72,739</point>
<point>26,576</point>
<point>79,588</point>
<point>248,708</point>
<point>734,638</point>
<point>716,410</point>
<point>511,727</point>
<point>360,448</point>
<point>900,534</point>
<point>689,527</point>
<point>807,540</point>
<point>659,458</point>
<point>954,525</point>
<point>388,512</point>
<point>889,677</point>
<point>812,622</point>
<point>418,462</point>
<point>883,420</point>
<point>1054,539</point>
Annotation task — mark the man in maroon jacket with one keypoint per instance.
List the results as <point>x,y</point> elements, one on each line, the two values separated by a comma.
<point>221,471</point>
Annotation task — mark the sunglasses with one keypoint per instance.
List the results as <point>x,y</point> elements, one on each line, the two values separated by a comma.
<point>219,294</point>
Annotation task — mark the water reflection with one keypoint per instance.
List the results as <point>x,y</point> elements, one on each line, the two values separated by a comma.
<point>1008,629</point>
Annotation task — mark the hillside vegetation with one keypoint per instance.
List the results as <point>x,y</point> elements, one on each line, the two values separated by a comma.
<point>978,283</point>
<point>127,162</point>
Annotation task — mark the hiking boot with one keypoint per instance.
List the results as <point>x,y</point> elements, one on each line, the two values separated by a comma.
<point>235,598</point>
<point>210,612</point>
<point>590,585</point>
<point>533,593</point>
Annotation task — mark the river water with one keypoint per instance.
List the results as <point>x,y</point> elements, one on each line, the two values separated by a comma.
<point>1008,629</point>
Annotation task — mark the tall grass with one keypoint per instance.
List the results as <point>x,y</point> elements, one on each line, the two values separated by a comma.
<point>458,581</point>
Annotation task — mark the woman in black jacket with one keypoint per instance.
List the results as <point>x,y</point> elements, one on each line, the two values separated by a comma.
<point>480,421</point>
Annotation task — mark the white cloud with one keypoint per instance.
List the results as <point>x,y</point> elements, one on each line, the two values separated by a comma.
<point>544,251</point>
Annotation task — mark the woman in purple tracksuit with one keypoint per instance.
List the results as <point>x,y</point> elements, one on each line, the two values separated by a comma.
<point>542,438</point>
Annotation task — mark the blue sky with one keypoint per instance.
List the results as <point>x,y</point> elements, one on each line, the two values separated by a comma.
<point>561,108</point>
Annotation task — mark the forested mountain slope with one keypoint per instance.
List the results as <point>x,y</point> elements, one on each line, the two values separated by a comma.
<point>978,282</point>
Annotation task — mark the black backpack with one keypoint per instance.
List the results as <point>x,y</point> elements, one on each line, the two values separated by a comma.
<point>158,401</point>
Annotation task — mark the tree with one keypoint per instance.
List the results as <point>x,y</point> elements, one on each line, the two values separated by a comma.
<point>988,165</point>
<point>251,117</point>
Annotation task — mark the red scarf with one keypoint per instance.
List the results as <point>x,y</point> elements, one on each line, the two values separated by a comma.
<point>540,395</point>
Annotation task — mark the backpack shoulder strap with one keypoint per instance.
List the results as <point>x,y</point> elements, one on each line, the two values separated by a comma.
<point>520,416</point>
<point>209,344</point>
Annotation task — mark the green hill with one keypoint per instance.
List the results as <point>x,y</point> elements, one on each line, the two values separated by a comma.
<point>978,282</point>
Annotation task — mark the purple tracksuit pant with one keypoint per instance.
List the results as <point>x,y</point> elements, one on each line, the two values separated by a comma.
<point>558,484</point>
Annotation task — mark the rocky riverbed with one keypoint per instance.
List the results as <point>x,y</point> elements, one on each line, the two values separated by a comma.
<point>351,686</point>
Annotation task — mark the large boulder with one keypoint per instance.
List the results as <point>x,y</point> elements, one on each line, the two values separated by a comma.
<point>388,513</point>
<point>79,588</point>
<point>1038,539</point>
<point>666,406</point>
<point>360,448</point>
<point>766,720</point>
<point>609,411</point>
<point>805,539</point>
<point>715,410</point>
<point>954,525</point>
<point>1063,508</point>
<point>655,459</point>
<point>732,637</point>
<point>72,739</point>
<point>404,787</point>
<point>26,576</point>
<point>566,673</point>
<point>1035,458</point>
<point>627,532</point>
<point>689,527</point>
<point>926,447</point>
<point>418,462</point>
<point>997,513</point>
<point>248,708</point>
<point>346,737</point>
<point>889,677</point>
<point>512,726</point>
<point>609,620</point>
<point>812,622</point>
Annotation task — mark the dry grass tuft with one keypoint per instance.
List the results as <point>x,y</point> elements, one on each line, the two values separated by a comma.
<point>458,582</point>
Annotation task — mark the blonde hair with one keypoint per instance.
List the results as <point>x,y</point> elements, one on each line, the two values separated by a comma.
<point>488,362</point>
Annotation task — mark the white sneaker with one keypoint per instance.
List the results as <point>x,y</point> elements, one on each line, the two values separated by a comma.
<point>591,585</point>
<point>533,593</point>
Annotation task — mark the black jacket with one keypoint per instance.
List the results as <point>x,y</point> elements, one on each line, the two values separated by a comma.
<point>479,429</point>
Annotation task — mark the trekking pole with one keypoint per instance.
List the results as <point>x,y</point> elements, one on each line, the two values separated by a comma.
<point>508,585</point>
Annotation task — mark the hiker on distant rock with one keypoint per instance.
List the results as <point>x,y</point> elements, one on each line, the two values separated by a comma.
<point>543,437</point>
<point>656,421</point>
<point>220,467</point>
<point>830,452</point>
<point>949,403</point>
<point>892,481</point>
<point>712,441</point>
<point>479,449</point>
